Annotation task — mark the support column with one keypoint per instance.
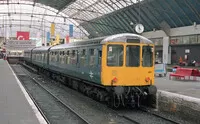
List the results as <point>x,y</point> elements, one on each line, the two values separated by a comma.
<point>169,55</point>
<point>165,49</point>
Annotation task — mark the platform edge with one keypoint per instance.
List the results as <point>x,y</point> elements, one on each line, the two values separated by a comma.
<point>31,103</point>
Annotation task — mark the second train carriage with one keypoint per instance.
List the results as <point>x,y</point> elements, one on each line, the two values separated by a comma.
<point>40,56</point>
<point>27,55</point>
<point>122,65</point>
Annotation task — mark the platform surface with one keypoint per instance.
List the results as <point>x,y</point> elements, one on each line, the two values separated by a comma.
<point>188,88</point>
<point>14,107</point>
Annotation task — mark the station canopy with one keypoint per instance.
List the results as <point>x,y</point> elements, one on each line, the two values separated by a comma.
<point>94,18</point>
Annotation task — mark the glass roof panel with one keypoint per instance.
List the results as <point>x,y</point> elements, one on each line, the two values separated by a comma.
<point>26,17</point>
<point>31,15</point>
<point>85,10</point>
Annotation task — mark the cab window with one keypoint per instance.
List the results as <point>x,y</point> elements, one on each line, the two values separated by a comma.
<point>132,56</point>
<point>115,55</point>
<point>147,56</point>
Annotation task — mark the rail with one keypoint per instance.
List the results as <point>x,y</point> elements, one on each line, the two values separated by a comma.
<point>57,99</point>
<point>128,118</point>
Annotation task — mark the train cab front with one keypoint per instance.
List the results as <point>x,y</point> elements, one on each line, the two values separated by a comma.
<point>128,69</point>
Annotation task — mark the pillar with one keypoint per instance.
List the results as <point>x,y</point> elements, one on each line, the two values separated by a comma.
<point>165,50</point>
<point>169,55</point>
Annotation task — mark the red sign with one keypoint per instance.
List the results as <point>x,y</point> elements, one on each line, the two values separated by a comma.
<point>67,39</point>
<point>22,35</point>
<point>173,41</point>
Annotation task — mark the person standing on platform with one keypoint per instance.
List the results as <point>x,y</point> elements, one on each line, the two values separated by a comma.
<point>180,60</point>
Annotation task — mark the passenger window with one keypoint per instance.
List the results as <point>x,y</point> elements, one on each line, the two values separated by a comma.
<point>115,55</point>
<point>83,58</point>
<point>37,56</point>
<point>45,57</point>
<point>54,56</point>
<point>67,57</point>
<point>63,57</point>
<point>99,58</point>
<point>132,56</point>
<point>92,57</point>
<point>60,57</point>
<point>73,57</point>
<point>51,56</point>
<point>42,56</point>
<point>57,56</point>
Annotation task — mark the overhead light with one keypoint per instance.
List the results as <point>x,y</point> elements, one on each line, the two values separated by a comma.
<point>131,23</point>
<point>195,24</point>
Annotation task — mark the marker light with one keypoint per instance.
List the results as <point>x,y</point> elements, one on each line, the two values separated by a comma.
<point>147,79</point>
<point>114,80</point>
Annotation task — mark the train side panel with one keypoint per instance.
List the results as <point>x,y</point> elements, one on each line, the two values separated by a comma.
<point>40,59</point>
<point>85,66</point>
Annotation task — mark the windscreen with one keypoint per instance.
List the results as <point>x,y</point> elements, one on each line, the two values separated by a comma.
<point>147,56</point>
<point>132,56</point>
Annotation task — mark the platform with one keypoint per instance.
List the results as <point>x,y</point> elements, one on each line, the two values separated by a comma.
<point>16,106</point>
<point>187,88</point>
<point>179,98</point>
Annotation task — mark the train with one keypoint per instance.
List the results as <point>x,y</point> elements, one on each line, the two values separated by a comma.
<point>116,69</point>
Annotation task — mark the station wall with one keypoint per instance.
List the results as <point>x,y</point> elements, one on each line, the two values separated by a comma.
<point>189,51</point>
<point>180,40</point>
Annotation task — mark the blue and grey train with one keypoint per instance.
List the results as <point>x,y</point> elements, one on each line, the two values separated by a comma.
<point>117,69</point>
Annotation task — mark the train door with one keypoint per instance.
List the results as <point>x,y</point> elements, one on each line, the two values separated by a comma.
<point>82,62</point>
<point>93,71</point>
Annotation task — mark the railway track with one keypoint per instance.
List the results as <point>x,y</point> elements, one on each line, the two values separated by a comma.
<point>144,109</point>
<point>78,119</point>
<point>153,115</point>
<point>132,120</point>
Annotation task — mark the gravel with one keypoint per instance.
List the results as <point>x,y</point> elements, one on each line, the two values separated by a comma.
<point>53,110</point>
<point>94,112</point>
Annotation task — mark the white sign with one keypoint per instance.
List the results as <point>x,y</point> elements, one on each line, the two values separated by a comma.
<point>110,49</point>
<point>19,44</point>
<point>91,74</point>
<point>187,50</point>
<point>20,37</point>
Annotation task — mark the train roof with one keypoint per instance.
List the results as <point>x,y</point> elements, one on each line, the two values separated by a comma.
<point>29,49</point>
<point>124,38</point>
<point>127,38</point>
<point>79,43</point>
<point>42,48</point>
